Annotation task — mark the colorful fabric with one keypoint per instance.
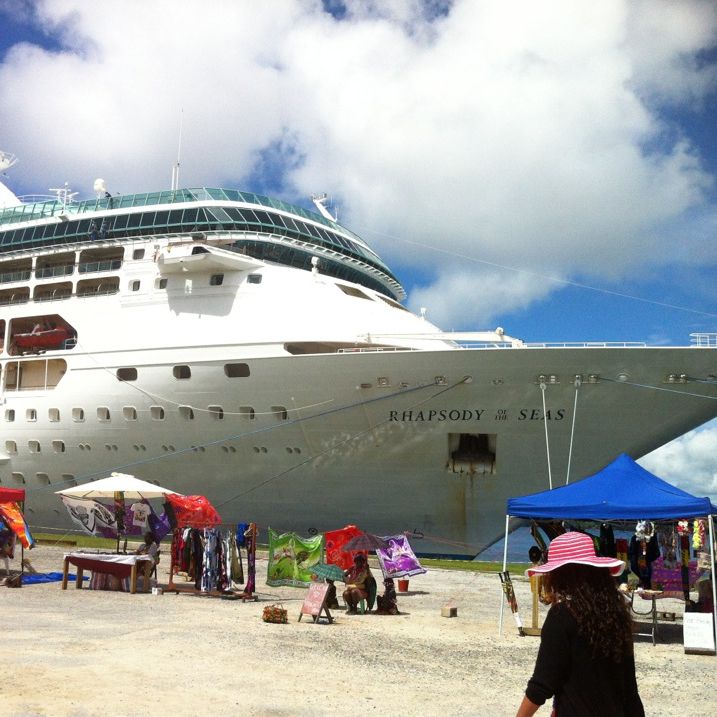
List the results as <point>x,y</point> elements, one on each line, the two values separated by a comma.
<point>291,558</point>
<point>12,495</point>
<point>335,540</point>
<point>398,560</point>
<point>668,576</point>
<point>98,519</point>
<point>13,518</point>
<point>193,511</point>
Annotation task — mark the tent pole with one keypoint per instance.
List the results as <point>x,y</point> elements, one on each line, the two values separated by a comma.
<point>505,565</point>
<point>710,523</point>
<point>547,442</point>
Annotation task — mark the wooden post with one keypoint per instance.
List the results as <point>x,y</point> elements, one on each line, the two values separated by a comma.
<point>65,571</point>
<point>534,630</point>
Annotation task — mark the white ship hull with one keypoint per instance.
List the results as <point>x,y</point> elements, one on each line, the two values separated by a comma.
<point>293,401</point>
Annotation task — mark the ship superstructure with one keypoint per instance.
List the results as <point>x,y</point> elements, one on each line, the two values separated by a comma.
<point>224,343</point>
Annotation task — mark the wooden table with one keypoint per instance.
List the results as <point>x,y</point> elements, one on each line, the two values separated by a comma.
<point>122,566</point>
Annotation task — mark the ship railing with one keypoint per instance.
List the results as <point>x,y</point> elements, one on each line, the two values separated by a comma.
<point>11,276</point>
<point>704,340</point>
<point>95,266</point>
<point>503,345</point>
<point>64,270</point>
<point>374,349</point>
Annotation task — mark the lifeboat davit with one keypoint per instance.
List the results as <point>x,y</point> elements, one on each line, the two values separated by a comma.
<point>47,339</point>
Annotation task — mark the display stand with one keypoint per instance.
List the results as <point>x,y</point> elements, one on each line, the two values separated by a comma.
<point>534,629</point>
<point>250,541</point>
<point>190,588</point>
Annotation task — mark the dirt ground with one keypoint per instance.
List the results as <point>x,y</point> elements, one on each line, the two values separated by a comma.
<point>83,652</point>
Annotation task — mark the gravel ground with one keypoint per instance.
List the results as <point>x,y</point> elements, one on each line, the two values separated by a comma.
<point>85,653</point>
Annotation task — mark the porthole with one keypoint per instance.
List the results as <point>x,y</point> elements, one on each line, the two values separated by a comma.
<point>103,414</point>
<point>138,254</point>
<point>247,412</point>
<point>68,479</point>
<point>254,278</point>
<point>78,415</point>
<point>216,412</point>
<point>127,374</point>
<point>297,450</point>
<point>129,413</point>
<point>186,412</point>
<point>280,413</point>
<point>10,415</point>
<point>31,414</point>
<point>42,478</point>
<point>53,414</point>
<point>236,370</point>
<point>34,446</point>
<point>11,447</point>
<point>134,285</point>
<point>216,280</point>
<point>58,446</point>
<point>161,283</point>
<point>182,372</point>
<point>18,477</point>
<point>232,449</point>
<point>157,413</point>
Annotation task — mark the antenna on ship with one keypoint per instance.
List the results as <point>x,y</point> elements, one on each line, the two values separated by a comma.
<point>319,201</point>
<point>64,195</point>
<point>175,168</point>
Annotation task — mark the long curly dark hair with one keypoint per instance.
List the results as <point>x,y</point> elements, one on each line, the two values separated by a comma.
<point>602,614</point>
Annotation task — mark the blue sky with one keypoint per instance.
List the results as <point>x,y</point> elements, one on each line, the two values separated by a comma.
<point>546,167</point>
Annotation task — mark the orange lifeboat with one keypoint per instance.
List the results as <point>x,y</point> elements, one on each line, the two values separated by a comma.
<point>46,339</point>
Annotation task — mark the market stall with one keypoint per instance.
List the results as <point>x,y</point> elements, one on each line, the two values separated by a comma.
<point>208,556</point>
<point>129,513</point>
<point>622,491</point>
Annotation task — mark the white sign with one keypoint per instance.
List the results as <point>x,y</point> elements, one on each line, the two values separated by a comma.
<point>698,633</point>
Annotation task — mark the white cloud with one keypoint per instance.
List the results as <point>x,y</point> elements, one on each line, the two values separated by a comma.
<point>504,131</point>
<point>688,462</point>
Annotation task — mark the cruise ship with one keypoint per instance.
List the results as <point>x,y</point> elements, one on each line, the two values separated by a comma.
<point>223,343</point>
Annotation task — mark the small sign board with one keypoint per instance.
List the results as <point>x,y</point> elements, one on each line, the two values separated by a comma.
<point>698,633</point>
<point>315,602</point>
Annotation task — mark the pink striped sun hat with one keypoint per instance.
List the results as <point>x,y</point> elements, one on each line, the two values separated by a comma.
<point>575,548</point>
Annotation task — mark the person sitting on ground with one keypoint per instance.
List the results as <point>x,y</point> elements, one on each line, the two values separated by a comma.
<point>387,603</point>
<point>150,547</point>
<point>331,601</point>
<point>356,577</point>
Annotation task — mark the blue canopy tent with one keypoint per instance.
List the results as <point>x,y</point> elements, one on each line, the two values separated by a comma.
<point>622,490</point>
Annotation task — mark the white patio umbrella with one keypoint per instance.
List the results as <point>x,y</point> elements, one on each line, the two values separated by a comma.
<point>132,488</point>
<point>125,486</point>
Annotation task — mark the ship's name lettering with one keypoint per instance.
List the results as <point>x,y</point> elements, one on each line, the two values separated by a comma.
<point>474,414</point>
<point>442,414</point>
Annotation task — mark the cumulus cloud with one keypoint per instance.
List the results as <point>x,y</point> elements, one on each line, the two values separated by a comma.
<point>504,132</point>
<point>688,462</point>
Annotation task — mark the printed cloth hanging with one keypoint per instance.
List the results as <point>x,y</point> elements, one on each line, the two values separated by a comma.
<point>193,511</point>
<point>335,540</point>
<point>11,515</point>
<point>210,570</point>
<point>291,558</point>
<point>398,560</point>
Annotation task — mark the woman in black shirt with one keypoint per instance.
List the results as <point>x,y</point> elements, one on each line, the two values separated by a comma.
<point>585,660</point>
